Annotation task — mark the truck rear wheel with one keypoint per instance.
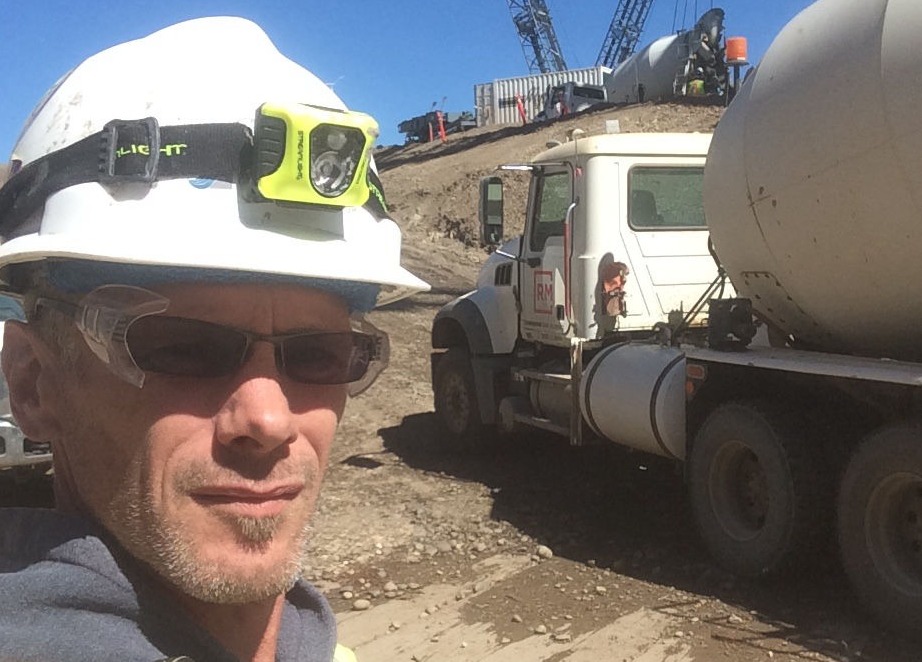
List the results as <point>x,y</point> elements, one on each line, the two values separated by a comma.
<point>455,395</point>
<point>757,501</point>
<point>880,526</point>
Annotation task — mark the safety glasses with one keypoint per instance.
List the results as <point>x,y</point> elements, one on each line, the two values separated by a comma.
<point>123,327</point>
<point>192,348</point>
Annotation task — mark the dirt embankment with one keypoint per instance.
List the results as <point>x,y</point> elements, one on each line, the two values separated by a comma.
<point>432,188</point>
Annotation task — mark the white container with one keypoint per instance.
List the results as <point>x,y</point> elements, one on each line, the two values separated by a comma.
<point>495,102</point>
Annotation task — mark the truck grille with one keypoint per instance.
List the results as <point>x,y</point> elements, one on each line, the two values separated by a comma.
<point>36,447</point>
<point>503,274</point>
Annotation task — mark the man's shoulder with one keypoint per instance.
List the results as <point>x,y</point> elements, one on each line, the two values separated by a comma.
<point>308,624</point>
<point>49,558</point>
<point>57,578</point>
<point>33,535</point>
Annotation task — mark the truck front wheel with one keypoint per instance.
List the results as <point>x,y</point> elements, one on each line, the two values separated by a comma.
<point>880,526</point>
<point>757,501</point>
<point>455,395</point>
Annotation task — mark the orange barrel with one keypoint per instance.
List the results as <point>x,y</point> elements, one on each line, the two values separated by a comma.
<point>736,49</point>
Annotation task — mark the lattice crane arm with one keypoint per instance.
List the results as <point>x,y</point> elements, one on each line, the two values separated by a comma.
<point>624,32</point>
<point>536,32</point>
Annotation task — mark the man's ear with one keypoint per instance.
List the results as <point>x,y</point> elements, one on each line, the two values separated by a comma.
<point>28,365</point>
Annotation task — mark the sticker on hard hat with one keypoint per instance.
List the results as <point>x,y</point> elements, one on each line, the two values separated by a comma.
<point>313,155</point>
<point>202,183</point>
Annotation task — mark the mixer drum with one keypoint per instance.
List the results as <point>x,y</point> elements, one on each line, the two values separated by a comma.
<point>813,187</point>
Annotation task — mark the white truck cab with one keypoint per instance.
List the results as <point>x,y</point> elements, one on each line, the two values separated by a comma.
<point>571,97</point>
<point>614,202</point>
<point>615,246</point>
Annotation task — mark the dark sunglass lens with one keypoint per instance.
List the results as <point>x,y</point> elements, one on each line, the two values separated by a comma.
<point>185,347</point>
<point>327,358</point>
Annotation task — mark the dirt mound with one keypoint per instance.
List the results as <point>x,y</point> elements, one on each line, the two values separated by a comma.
<point>432,188</point>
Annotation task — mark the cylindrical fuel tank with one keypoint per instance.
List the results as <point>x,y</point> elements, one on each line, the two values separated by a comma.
<point>813,186</point>
<point>551,401</point>
<point>634,395</point>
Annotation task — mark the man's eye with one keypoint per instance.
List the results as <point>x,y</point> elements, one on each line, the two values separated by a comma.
<point>184,359</point>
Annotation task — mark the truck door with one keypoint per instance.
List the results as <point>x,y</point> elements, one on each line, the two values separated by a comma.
<point>542,266</point>
<point>667,235</point>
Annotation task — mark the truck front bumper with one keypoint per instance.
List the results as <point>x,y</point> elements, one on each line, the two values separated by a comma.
<point>16,451</point>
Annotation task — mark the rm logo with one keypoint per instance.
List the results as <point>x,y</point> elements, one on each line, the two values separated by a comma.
<point>544,292</point>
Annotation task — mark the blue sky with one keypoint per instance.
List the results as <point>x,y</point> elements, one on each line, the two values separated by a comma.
<point>390,59</point>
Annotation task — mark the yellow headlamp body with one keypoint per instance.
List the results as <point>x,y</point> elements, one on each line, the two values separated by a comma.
<point>313,155</point>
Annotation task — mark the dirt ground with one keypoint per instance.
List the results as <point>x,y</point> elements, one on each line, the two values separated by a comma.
<point>524,549</point>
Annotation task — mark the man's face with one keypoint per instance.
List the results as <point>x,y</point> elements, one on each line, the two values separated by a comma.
<point>210,481</point>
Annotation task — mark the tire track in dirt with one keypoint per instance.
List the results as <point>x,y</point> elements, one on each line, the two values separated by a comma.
<point>435,625</point>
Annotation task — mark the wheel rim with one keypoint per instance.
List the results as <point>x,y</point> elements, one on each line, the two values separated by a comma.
<point>738,490</point>
<point>456,403</point>
<point>894,531</point>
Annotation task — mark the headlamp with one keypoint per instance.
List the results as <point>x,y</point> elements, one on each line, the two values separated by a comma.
<point>313,155</point>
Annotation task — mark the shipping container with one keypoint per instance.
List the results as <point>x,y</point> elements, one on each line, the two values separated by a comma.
<point>495,102</point>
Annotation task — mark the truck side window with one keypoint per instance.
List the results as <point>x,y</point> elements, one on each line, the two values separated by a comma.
<point>666,198</point>
<point>589,93</point>
<point>551,202</point>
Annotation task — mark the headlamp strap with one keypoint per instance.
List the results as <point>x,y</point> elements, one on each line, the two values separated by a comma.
<point>139,151</point>
<point>376,204</point>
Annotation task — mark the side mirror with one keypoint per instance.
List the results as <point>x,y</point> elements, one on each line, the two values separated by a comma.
<point>491,211</point>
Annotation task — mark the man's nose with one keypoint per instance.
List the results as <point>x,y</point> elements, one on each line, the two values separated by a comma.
<point>256,414</point>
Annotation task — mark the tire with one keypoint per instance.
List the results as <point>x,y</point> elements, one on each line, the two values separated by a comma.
<point>880,526</point>
<point>455,396</point>
<point>757,501</point>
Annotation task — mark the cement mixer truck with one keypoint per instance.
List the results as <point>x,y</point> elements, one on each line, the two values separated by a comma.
<point>742,304</point>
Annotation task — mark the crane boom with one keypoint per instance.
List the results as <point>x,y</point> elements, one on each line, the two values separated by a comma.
<point>539,42</point>
<point>624,32</point>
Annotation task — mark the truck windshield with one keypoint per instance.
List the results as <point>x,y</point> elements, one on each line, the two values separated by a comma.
<point>589,93</point>
<point>666,197</point>
<point>552,197</point>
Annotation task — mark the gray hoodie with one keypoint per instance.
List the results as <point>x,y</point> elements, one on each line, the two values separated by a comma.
<point>68,593</point>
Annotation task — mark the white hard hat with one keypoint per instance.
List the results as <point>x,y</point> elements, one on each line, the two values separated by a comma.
<point>210,74</point>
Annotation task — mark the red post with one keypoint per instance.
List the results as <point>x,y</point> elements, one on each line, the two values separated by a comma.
<point>521,106</point>
<point>441,120</point>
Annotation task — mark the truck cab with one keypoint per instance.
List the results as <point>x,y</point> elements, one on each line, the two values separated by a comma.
<point>615,238</point>
<point>615,243</point>
<point>570,97</point>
